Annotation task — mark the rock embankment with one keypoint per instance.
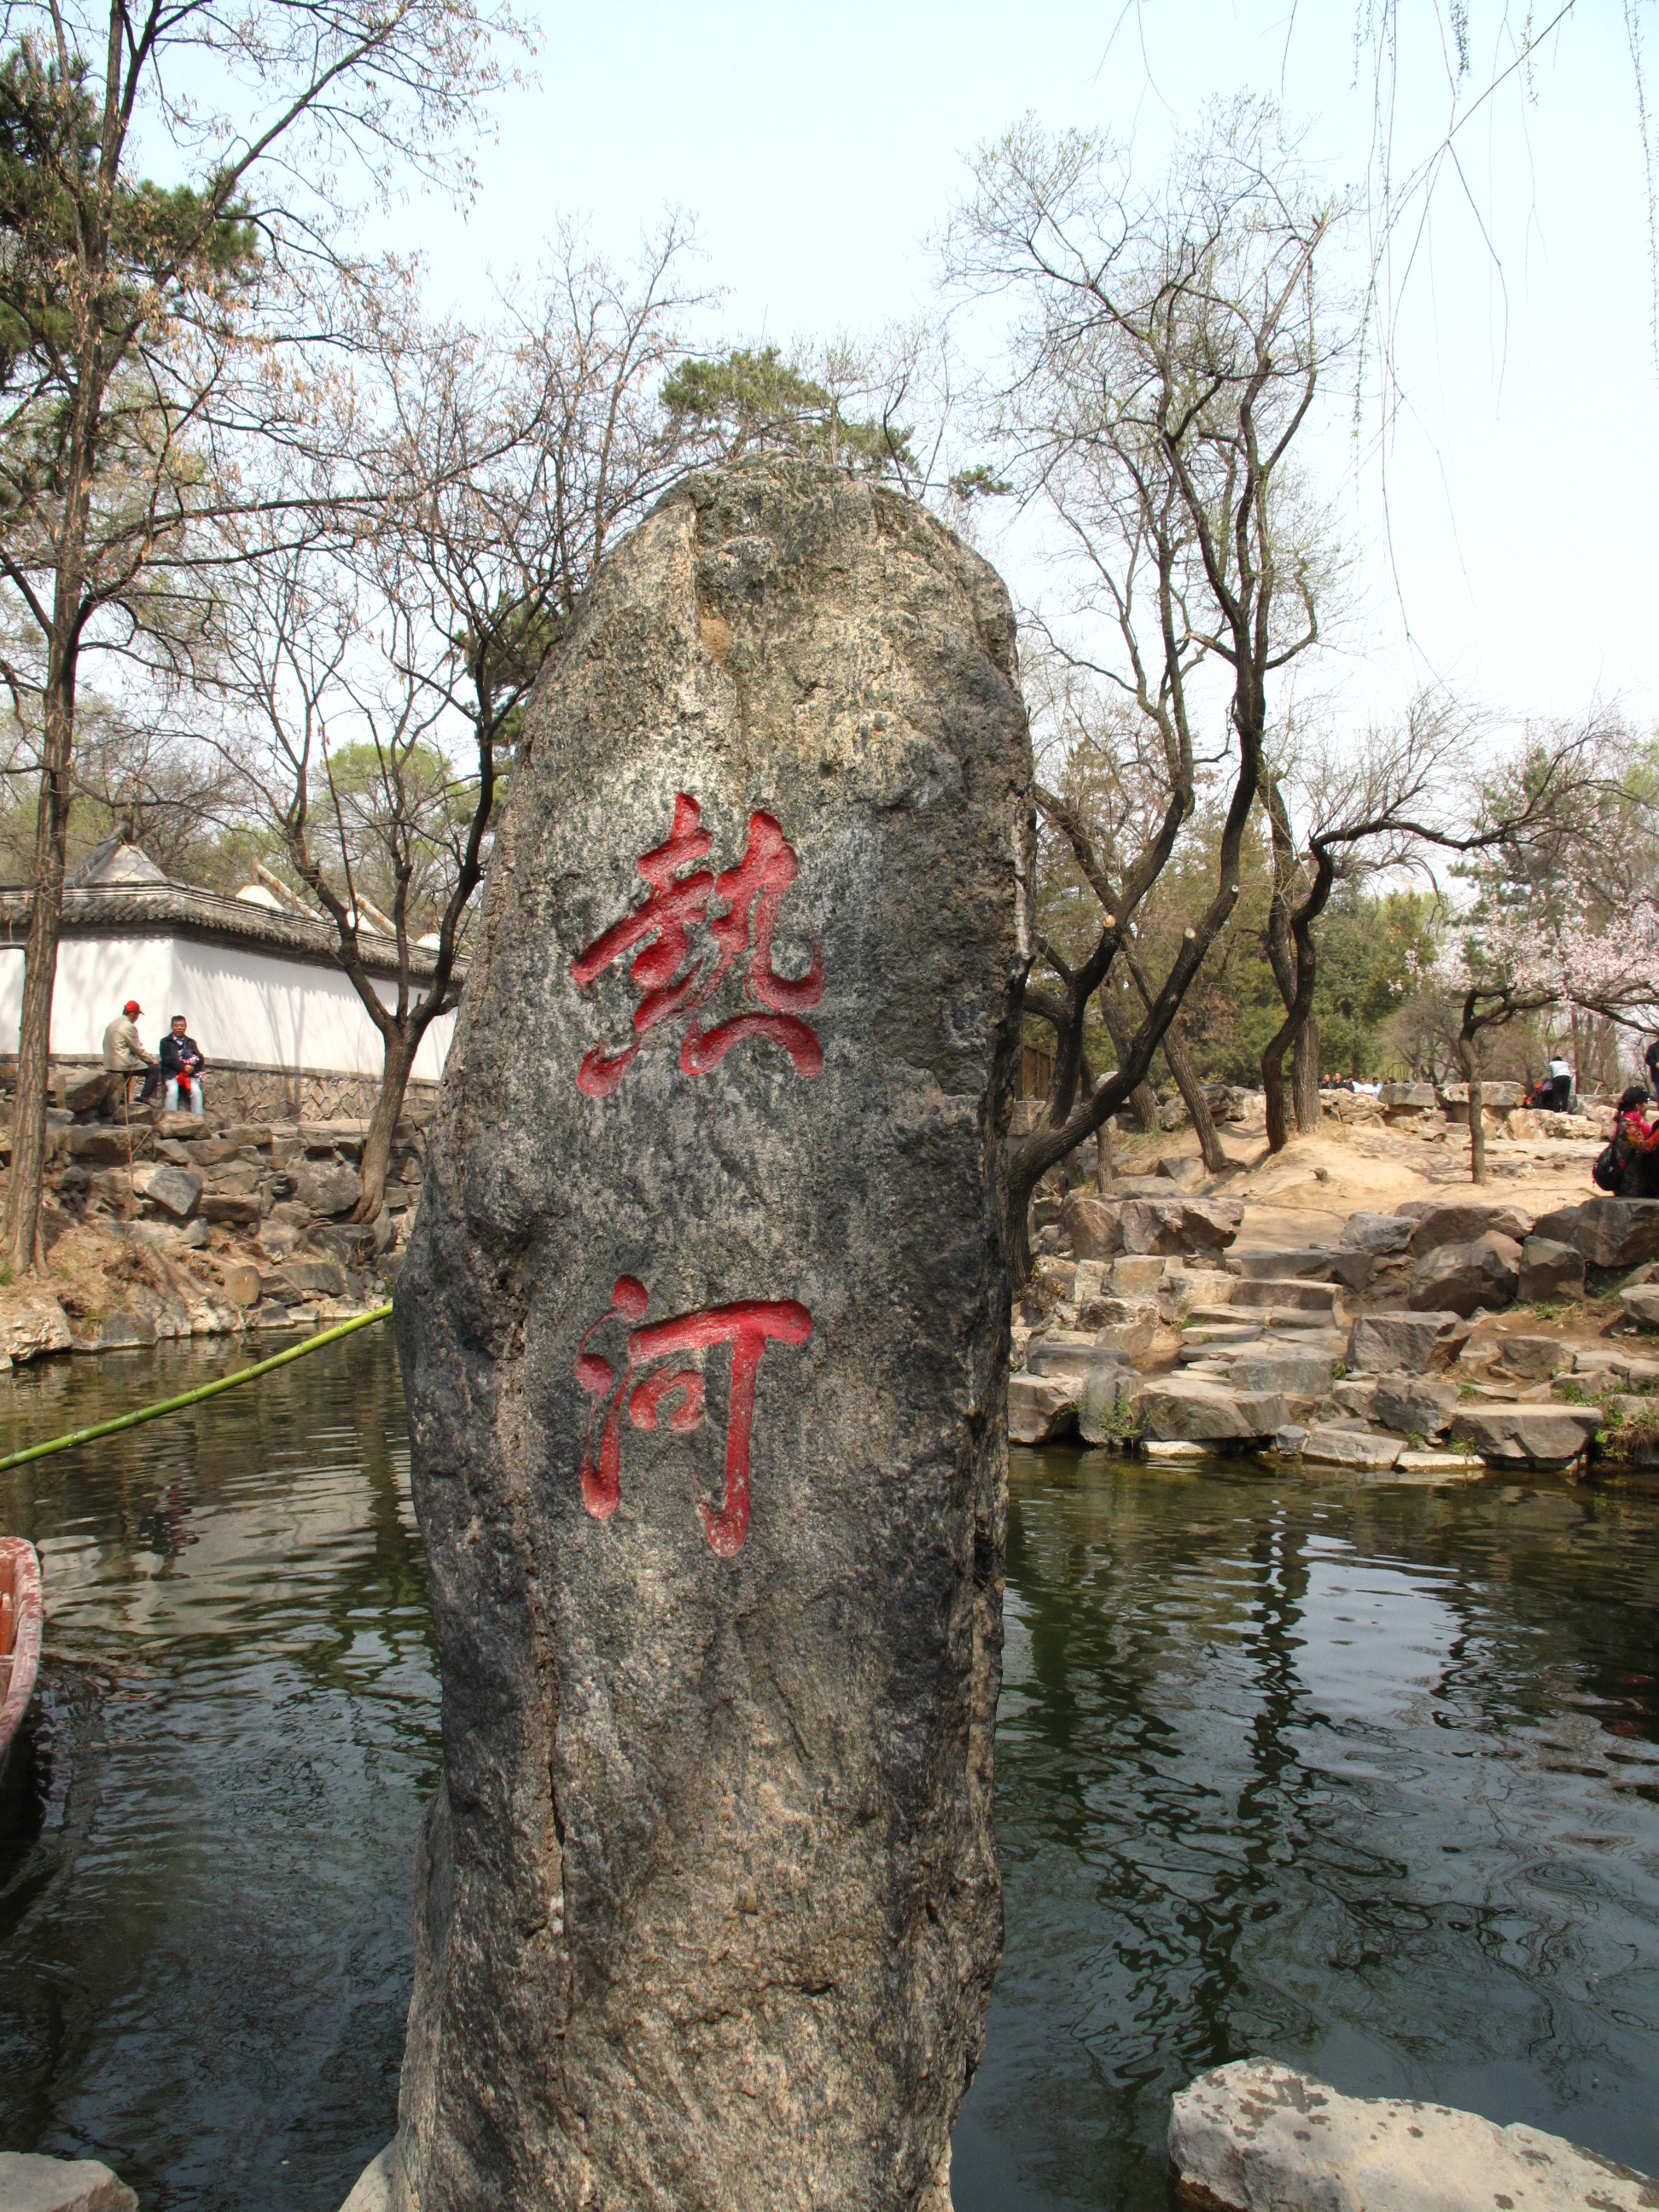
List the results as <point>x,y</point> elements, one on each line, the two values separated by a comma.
<point>204,1229</point>
<point>1452,1334</point>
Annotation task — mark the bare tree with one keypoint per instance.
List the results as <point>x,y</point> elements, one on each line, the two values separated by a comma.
<point>491,472</point>
<point>1372,805</point>
<point>129,314</point>
<point>1165,354</point>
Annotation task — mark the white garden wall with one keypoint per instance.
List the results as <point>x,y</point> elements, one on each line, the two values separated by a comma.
<point>255,1008</point>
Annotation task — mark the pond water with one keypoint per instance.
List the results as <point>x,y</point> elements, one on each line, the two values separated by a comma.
<point>1366,1778</point>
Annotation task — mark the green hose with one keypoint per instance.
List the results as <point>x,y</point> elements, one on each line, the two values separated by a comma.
<point>194,1397</point>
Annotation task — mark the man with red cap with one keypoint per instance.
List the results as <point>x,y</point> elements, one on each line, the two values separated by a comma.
<point>125,1055</point>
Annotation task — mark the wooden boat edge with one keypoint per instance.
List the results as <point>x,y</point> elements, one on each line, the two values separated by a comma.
<point>20,1554</point>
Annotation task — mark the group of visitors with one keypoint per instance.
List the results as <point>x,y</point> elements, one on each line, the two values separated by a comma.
<point>176,1070</point>
<point>1630,1165</point>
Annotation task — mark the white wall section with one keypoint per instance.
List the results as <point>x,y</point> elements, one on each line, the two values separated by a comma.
<point>241,1004</point>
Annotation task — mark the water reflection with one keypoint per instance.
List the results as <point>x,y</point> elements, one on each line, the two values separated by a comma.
<point>1366,1778</point>
<point>204,1846</point>
<point>1362,1778</point>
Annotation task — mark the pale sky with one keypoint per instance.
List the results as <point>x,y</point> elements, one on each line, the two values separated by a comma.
<point>818,150</point>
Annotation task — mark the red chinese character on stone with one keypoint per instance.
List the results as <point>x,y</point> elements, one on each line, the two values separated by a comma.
<point>747,1326</point>
<point>741,908</point>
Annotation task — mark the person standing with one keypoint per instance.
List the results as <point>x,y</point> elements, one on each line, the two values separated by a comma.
<point>126,1056</point>
<point>1560,1075</point>
<point>181,1056</point>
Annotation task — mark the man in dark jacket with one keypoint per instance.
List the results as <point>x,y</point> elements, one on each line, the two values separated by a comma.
<point>181,1056</point>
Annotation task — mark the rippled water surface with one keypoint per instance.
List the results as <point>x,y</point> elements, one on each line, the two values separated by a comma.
<point>1366,1778</point>
<point>205,1951</point>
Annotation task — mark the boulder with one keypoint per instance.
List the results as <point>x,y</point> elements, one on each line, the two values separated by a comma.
<point>242,1284</point>
<point>126,1331</point>
<point>1534,1358</point>
<point>1092,1225</point>
<point>32,1325</point>
<point>1409,1097</point>
<point>1383,1344</point>
<point>1465,1221</point>
<point>1459,1278</point>
<point>1185,1174</point>
<point>1108,1406</point>
<point>1537,1434</point>
<point>1612,1232</point>
<point>1561,1225</point>
<point>1041,1407</point>
<point>1641,1304</point>
<point>168,1235</point>
<point>175,1190</point>
<point>1138,1275</point>
<point>1189,1409</point>
<point>1379,1233</point>
<point>31,2184</point>
<point>1352,1447</point>
<point>231,1208</point>
<point>1549,1270</point>
<point>372,2191</point>
<point>1257,2137</point>
<point>181,1129</point>
<point>104,1145</point>
<point>1413,1405</point>
<point>703,1326</point>
<point>325,1278</point>
<point>79,1090</point>
<point>326,1187</point>
<point>1173,1115</point>
<point>1179,1224</point>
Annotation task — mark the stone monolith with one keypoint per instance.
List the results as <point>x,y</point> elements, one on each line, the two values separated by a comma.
<point>703,1329</point>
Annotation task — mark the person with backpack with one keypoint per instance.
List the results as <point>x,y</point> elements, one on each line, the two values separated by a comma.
<point>1629,1167</point>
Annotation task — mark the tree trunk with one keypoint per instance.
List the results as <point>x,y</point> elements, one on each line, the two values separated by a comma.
<point>1477,1119</point>
<point>1103,1159</point>
<point>23,1251</point>
<point>1142,1099</point>
<point>1272,1092</point>
<point>1308,1110</point>
<point>401,1047</point>
<point>1179,1061</point>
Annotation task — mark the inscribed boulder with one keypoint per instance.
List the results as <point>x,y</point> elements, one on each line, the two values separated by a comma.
<point>704,1329</point>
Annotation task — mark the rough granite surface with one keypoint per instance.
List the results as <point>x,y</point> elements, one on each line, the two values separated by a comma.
<point>707,1905</point>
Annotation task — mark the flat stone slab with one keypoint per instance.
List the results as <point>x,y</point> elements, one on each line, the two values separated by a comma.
<point>31,2184</point>
<point>1352,1447</point>
<point>1536,1434</point>
<point>1260,2138</point>
<point>1349,1266</point>
<point>1254,1292</point>
<point>1182,1409</point>
<point>1272,1368</point>
<point>1450,1463</point>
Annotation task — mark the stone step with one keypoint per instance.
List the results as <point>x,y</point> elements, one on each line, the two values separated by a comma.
<point>1288,1319</point>
<point>1327,1263</point>
<point>1255,1290</point>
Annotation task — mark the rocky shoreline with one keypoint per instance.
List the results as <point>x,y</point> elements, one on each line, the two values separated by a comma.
<point>206,1228</point>
<point>1452,1334</point>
